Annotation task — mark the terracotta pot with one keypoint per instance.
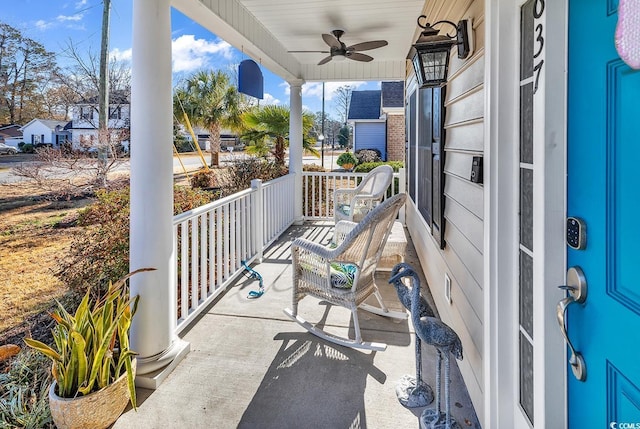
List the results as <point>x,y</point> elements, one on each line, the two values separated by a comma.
<point>97,410</point>
<point>348,166</point>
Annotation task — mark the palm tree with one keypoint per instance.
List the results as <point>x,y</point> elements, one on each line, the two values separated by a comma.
<point>210,101</point>
<point>272,122</point>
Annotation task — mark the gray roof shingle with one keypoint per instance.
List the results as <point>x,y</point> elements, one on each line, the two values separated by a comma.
<point>365,104</point>
<point>392,94</point>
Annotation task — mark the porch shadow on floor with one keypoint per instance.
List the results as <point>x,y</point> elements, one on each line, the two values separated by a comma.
<point>250,366</point>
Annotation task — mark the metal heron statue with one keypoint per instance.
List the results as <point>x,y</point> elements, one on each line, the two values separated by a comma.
<point>433,331</point>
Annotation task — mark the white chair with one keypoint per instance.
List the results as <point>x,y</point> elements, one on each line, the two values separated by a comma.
<point>343,273</point>
<point>354,203</point>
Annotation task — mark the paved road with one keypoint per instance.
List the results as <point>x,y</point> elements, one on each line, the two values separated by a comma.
<point>191,162</point>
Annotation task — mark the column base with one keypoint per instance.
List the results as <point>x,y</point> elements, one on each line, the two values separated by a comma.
<point>152,371</point>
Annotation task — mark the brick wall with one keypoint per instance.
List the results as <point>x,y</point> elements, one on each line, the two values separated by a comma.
<point>395,137</point>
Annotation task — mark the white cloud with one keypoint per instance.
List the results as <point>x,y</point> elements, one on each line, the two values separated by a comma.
<point>80,4</point>
<point>314,89</point>
<point>64,18</point>
<point>287,89</point>
<point>120,55</point>
<point>43,25</point>
<point>269,99</point>
<point>190,54</point>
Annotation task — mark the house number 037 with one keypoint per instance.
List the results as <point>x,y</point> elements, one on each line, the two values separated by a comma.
<point>538,11</point>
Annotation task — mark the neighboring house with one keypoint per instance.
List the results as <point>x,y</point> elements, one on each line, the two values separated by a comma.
<point>10,135</point>
<point>227,138</point>
<point>46,132</point>
<point>378,120</point>
<point>84,120</point>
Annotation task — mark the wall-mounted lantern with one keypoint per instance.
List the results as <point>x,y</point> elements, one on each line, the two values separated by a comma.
<point>430,53</point>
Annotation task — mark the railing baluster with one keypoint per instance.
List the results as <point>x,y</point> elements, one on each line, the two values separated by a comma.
<point>313,196</point>
<point>219,246</point>
<point>175,266</point>
<point>226,242</point>
<point>212,246</point>
<point>232,237</point>
<point>184,265</point>
<point>193,286</point>
<point>203,257</point>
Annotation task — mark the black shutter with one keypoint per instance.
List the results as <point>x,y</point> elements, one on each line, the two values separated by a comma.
<point>437,227</point>
<point>411,145</point>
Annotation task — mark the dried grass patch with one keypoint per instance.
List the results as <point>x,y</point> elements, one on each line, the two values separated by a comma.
<point>30,248</point>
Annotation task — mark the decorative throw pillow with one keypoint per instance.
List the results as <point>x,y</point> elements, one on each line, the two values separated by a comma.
<point>342,275</point>
<point>344,209</point>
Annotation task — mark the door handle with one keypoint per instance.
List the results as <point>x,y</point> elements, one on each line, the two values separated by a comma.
<point>577,288</point>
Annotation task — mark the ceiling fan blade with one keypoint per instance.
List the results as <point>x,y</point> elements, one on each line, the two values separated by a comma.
<point>359,57</point>
<point>365,46</point>
<point>325,60</point>
<point>331,41</point>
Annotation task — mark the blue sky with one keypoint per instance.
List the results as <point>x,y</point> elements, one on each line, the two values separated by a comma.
<point>55,22</point>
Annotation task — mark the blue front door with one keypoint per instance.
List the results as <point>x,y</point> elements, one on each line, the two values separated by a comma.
<point>604,190</point>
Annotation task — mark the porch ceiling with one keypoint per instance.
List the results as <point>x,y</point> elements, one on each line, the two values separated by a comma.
<point>267,30</point>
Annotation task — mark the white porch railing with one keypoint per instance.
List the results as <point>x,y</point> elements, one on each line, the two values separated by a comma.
<point>211,241</point>
<point>318,187</point>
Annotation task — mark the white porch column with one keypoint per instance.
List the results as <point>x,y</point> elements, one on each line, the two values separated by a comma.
<point>151,238</point>
<point>295,144</point>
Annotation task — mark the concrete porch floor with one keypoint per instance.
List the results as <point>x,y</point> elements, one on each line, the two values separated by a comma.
<point>250,366</point>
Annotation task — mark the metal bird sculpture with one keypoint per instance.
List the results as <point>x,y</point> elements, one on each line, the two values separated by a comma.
<point>412,392</point>
<point>404,293</point>
<point>433,331</point>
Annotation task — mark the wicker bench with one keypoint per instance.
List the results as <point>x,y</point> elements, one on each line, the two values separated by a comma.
<point>394,251</point>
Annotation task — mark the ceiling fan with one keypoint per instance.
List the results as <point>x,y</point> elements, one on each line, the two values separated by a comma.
<point>339,51</point>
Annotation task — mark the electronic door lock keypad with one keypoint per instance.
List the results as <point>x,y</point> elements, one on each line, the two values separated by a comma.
<point>576,233</point>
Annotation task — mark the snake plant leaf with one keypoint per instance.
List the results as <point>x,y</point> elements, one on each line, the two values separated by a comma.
<point>43,348</point>
<point>131,383</point>
<point>104,376</point>
<point>80,359</point>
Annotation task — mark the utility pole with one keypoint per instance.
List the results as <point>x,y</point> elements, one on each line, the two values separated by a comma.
<point>322,128</point>
<point>103,94</point>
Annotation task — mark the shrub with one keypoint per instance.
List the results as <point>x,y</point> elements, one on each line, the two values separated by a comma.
<point>26,147</point>
<point>313,167</point>
<point>101,250</point>
<point>239,176</point>
<point>368,155</point>
<point>24,389</point>
<point>183,145</point>
<point>368,166</point>
<point>346,158</point>
<point>204,179</point>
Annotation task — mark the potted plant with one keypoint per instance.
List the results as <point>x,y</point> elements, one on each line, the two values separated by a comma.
<point>93,366</point>
<point>347,160</point>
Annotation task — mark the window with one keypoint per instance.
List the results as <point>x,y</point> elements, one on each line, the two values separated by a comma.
<point>86,113</point>
<point>115,112</point>
<point>426,178</point>
<point>527,256</point>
